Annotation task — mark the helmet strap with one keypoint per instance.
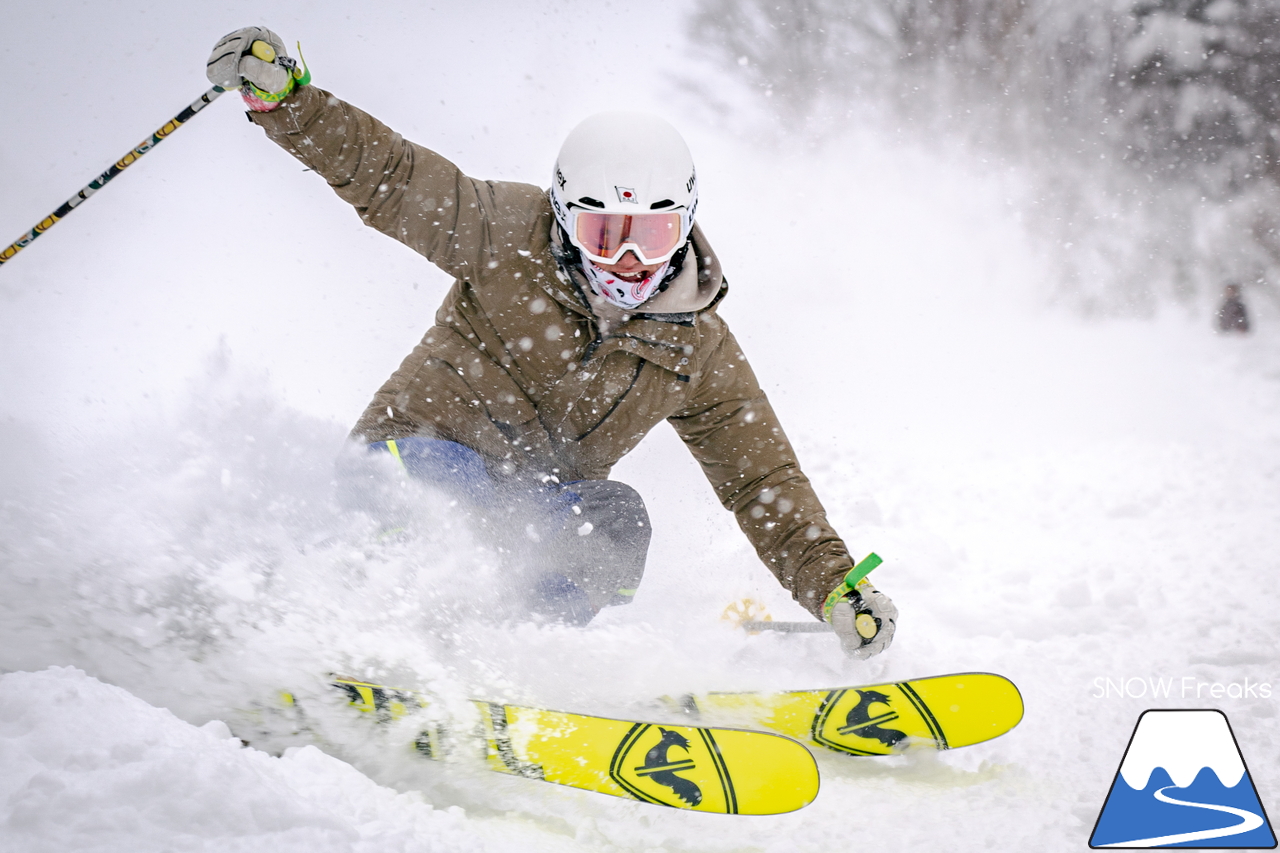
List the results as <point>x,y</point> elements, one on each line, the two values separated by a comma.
<point>675,265</point>
<point>563,249</point>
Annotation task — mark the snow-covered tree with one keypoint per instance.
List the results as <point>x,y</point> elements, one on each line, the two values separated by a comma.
<point>1163,115</point>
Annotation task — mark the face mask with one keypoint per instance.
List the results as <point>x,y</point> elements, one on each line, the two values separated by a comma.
<point>624,294</point>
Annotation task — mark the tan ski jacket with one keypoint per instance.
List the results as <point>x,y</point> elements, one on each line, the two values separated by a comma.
<point>538,377</point>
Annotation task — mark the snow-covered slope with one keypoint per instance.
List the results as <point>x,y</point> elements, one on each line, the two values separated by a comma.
<point>89,767</point>
<point>1084,507</point>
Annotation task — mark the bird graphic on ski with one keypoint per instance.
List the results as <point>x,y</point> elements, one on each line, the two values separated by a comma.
<point>672,768</point>
<point>659,767</point>
<point>861,722</point>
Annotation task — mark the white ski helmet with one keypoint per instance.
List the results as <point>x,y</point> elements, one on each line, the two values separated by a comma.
<point>625,181</point>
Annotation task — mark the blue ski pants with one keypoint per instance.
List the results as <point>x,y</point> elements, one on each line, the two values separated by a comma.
<point>582,544</point>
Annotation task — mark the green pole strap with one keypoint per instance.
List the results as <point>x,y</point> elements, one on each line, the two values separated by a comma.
<point>861,570</point>
<point>119,166</point>
<point>854,576</point>
<point>303,77</point>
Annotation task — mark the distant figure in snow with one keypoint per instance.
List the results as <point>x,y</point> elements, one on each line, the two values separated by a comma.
<point>1232,316</point>
<point>580,317</point>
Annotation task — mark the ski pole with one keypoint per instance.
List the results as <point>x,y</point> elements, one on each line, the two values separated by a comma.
<point>789,627</point>
<point>119,166</point>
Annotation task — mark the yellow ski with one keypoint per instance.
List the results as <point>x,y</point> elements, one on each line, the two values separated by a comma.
<point>943,712</point>
<point>719,770</point>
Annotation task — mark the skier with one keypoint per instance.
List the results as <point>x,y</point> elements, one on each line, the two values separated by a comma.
<point>1232,315</point>
<point>579,318</point>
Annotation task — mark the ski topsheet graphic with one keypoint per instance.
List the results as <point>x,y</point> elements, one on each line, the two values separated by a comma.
<point>719,770</point>
<point>1183,783</point>
<point>942,712</point>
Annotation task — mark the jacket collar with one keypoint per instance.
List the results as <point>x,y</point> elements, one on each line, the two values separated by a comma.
<point>663,330</point>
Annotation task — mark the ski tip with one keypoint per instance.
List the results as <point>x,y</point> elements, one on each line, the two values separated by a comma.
<point>971,707</point>
<point>722,771</point>
<point>791,783</point>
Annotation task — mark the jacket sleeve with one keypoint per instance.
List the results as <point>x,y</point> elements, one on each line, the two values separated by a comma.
<point>402,189</point>
<point>734,434</point>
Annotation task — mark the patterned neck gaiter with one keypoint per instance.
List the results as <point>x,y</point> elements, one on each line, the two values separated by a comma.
<point>624,294</point>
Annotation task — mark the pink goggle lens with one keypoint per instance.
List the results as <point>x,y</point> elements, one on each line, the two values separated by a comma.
<point>602,235</point>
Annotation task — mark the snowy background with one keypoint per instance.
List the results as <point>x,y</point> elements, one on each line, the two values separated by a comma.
<point>1059,500</point>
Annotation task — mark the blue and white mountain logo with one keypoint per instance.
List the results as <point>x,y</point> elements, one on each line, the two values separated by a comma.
<point>1183,783</point>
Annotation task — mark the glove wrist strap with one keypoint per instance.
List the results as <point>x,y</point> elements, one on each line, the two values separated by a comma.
<point>248,90</point>
<point>262,101</point>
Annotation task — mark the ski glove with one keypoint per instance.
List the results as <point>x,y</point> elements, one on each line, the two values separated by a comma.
<point>864,621</point>
<point>254,60</point>
<point>863,617</point>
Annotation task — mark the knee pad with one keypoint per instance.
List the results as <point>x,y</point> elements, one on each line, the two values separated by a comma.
<point>607,543</point>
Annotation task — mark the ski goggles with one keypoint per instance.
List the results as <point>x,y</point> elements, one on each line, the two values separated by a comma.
<point>606,237</point>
